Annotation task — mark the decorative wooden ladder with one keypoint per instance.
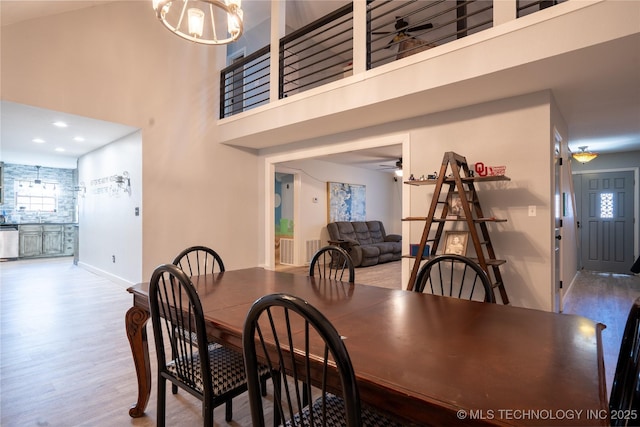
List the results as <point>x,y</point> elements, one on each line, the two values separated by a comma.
<point>455,173</point>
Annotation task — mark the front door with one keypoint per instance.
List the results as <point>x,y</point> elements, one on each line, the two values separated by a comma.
<point>606,221</point>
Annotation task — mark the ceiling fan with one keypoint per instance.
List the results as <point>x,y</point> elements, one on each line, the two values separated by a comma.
<point>396,167</point>
<point>403,30</point>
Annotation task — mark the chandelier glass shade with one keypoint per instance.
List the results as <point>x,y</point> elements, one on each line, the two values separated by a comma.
<point>584,156</point>
<point>211,22</point>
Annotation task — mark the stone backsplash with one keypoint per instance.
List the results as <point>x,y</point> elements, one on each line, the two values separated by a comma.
<point>65,181</point>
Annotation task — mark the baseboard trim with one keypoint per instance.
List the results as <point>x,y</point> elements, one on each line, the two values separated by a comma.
<point>112,277</point>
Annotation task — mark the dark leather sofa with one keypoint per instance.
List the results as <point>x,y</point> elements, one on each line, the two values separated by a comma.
<point>367,242</point>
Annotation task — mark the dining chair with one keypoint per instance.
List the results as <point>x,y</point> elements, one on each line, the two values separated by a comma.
<point>624,401</point>
<point>298,342</point>
<point>332,261</point>
<point>194,261</point>
<point>198,260</point>
<point>454,276</point>
<point>215,375</point>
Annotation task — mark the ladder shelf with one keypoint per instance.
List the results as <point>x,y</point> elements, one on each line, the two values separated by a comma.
<point>455,176</point>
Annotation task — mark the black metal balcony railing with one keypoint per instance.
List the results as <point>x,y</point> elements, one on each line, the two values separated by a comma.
<point>245,83</point>
<point>400,29</point>
<point>526,7</point>
<point>318,53</point>
<point>322,51</point>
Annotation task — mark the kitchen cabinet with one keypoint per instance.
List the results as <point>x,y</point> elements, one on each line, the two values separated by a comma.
<point>52,239</point>
<point>46,240</point>
<point>68,246</point>
<point>30,241</point>
<point>1,183</point>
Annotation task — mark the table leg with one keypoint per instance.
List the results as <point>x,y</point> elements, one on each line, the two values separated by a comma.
<point>135,320</point>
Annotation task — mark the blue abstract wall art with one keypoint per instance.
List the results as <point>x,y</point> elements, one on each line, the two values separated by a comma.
<point>347,202</point>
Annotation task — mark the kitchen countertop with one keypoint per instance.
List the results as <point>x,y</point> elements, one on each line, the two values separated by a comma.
<point>36,223</point>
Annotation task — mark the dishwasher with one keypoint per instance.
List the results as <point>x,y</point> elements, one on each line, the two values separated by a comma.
<point>9,242</point>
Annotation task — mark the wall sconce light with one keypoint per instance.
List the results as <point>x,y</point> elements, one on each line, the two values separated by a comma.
<point>120,183</point>
<point>80,189</point>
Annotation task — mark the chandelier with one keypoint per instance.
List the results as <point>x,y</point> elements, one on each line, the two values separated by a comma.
<point>584,156</point>
<point>212,22</point>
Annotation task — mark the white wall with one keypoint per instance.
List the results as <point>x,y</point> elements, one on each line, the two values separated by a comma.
<point>107,222</point>
<point>514,132</point>
<point>115,62</point>
<point>384,197</point>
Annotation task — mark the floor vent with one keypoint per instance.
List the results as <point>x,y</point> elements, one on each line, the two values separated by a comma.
<point>286,251</point>
<point>312,248</point>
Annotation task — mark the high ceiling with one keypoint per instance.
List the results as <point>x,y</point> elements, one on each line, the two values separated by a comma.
<point>601,102</point>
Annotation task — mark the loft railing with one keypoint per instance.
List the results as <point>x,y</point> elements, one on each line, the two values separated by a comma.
<point>322,51</point>
<point>245,83</point>
<point>526,7</point>
<point>316,54</point>
<point>398,29</point>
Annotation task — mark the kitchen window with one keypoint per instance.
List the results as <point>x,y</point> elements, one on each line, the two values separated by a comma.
<point>42,197</point>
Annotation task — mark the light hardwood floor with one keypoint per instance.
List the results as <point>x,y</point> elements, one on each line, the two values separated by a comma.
<point>65,359</point>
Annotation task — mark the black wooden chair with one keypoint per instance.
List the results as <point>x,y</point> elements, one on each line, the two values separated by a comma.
<point>194,261</point>
<point>198,260</point>
<point>280,329</point>
<point>454,276</point>
<point>624,401</point>
<point>215,375</point>
<point>332,261</point>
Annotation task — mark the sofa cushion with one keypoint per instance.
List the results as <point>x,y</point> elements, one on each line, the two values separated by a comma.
<point>388,247</point>
<point>370,255</point>
<point>376,231</point>
<point>362,232</point>
<point>341,230</point>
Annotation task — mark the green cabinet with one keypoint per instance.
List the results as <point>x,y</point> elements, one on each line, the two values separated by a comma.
<point>69,244</point>
<point>1,183</point>
<point>30,241</point>
<point>52,239</point>
<point>46,240</point>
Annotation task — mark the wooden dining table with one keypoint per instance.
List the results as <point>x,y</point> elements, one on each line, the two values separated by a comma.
<point>427,359</point>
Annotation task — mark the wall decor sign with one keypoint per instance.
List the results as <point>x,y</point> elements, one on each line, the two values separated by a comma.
<point>346,202</point>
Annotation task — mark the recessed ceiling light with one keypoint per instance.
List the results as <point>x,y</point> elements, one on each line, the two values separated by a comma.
<point>38,140</point>
<point>78,139</point>
<point>60,124</point>
<point>60,149</point>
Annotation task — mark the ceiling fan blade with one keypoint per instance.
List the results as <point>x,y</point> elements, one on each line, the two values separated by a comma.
<point>391,43</point>
<point>420,27</point>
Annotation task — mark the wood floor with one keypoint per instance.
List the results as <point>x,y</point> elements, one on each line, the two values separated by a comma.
<point>65,359</point>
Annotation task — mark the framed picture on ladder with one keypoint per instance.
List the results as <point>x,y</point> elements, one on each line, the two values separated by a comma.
<point>455,242</point>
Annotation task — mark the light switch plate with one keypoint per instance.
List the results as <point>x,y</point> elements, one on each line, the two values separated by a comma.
<point>532,210</point>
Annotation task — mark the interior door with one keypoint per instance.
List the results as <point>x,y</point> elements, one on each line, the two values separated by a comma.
<point>606,225</point>
<point>557,289</point>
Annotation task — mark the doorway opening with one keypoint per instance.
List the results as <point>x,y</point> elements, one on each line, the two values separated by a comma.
<point>271,167</point>
<point>605,203</point>
<point>284,196</point>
